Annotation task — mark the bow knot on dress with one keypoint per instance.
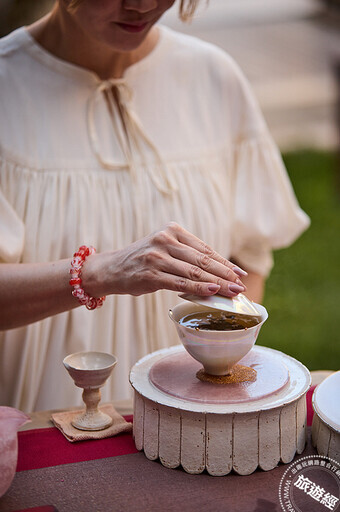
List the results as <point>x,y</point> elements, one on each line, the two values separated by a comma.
<point>129,132</point>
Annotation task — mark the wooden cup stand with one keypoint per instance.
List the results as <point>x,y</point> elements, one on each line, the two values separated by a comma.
<point>183,421</point>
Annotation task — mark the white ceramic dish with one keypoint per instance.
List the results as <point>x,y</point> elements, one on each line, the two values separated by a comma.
<point>326,401</point>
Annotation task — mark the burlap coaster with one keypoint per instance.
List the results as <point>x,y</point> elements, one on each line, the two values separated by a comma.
<point>62,421</point>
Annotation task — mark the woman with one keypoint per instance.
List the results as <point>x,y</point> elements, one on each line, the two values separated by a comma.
<point>112,127</point>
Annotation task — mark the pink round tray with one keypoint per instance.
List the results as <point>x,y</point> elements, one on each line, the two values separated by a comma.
<point>175,375</point>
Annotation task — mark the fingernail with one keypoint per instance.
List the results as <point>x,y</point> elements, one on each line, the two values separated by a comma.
<point>213,287</point>
<point>235,288</point>
<point>239,282</point>
<point>239,271</point>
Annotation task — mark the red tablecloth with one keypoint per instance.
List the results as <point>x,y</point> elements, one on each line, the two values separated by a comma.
<point>44,447</point>
<point>109,475</point>
<point>41,448</point>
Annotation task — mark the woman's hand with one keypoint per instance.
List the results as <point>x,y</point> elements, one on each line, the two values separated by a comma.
<point>172,259</point>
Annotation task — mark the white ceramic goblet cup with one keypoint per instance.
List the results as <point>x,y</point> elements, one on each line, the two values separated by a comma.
<point>90,370</point>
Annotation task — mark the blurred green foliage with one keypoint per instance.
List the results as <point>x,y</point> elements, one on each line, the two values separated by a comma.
<point>303,290</point>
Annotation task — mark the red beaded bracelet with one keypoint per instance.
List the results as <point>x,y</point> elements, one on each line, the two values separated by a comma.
<point>78,292</point>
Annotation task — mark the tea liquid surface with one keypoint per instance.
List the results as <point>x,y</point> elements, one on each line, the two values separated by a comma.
<point>218,321</point>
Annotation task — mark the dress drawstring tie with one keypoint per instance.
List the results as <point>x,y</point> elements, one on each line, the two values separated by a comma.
<point>131,135</point>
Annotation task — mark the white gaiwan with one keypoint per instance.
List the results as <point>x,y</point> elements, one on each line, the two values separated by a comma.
<point>90,370</point>
<point>218,351</point>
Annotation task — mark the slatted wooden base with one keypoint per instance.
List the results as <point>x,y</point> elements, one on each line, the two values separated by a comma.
<point>219,438</point>
<point>325,439</point>
<point>326,419</point>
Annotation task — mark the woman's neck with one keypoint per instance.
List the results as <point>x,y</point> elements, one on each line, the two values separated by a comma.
<point>59,34</point>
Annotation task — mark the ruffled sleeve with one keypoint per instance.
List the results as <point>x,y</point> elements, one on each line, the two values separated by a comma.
<point>12,233</point>
<point>267,215</point>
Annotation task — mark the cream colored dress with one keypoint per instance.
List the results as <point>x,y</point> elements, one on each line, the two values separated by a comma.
<point>196,151</point>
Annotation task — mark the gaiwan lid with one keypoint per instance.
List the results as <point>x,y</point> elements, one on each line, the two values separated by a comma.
<point>326,401</point>
<point>240,304</point>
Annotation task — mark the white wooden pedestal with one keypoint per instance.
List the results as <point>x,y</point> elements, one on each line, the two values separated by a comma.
<point>219,437</point>
<point>326,419</point>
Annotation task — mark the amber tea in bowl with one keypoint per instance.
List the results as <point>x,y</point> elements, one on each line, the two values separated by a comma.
<point>218,321</point>
<point>216,339</point>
